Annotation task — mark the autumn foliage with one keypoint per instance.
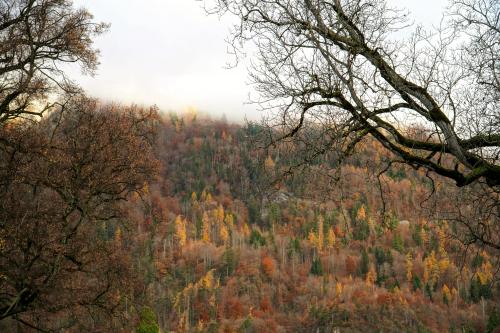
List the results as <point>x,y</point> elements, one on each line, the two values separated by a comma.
<point>204,250</point>
<point>64,181</point>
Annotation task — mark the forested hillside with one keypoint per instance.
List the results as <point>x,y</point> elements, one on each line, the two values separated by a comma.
<point>137,221</point>
<point>367,198</point>
<point>228,241</point>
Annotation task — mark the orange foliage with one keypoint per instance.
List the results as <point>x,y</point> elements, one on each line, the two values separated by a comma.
<point>268,265</point>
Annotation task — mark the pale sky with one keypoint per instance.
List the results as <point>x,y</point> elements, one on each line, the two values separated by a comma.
<point>170,53</point>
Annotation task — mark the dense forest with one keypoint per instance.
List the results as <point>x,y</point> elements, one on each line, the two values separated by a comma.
<point>367,199</point>
<point>225,238</point>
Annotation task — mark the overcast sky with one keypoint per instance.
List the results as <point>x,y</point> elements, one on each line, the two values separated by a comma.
<point>169,53</point>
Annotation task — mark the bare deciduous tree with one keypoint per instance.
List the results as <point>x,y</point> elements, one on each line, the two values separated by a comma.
<point>335,62</point>
<point>36,38</point>
<point>63,182</point>
<point>334,72</point>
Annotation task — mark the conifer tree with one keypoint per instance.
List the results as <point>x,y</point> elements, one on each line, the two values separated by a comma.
<point>223,233</point>
<point>205,229</point>
<point>371,276</point>
<point>180,230</point>
<point>321,237</point>
<point>361,215</point>
<point>409,267</point>
<point>338,289</point>
<point>331,239</point>
<point>446,294</point>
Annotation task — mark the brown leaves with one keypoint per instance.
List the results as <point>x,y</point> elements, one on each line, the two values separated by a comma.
<point>36,37</point>
<point>63,181</point>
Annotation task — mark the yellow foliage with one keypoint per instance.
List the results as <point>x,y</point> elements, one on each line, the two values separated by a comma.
<point>246,230</point>
<point>446,290</point>
<point>331,238</point>
<point>321,237</point>
<point>223,233</point>
<point>269,163</point>
<point>339,288</point>
<point>208,281</point>
<point>312,238</point>
<point>145,188</point>
<point>409,267</point>
<point>361,213</point>
<point>431,268</point>
<point>485,275</point>
<point>135,196</point>
<point>220,214</point>
<point>371,276</point>
<point>442,242</point>
<point>229,220</point>
<point>444,264</point>
<point>212,300</point>
<point>180,230</point>
<point>446,293</point>
<point>205,229</point>
<point>194,197</point>
<point>371,224</point>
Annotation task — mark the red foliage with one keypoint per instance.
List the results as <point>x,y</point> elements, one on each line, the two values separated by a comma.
<point>384,299</point>
<point>350,265</point>
<point>201,309</point>
<point>265,304</point>
<point>359,296</point>
<point>234,309</point>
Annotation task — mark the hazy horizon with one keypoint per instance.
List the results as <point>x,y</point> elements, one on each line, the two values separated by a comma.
<point>169,53</point>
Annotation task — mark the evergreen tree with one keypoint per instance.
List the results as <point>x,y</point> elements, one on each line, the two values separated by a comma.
<point>148,322</point>
<point>364,263</point>
<point>397,243</point>
<point>317,267</point>
<point>493,320</point>
<point>256,239</point>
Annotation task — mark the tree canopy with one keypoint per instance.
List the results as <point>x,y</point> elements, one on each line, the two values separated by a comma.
<point>332,73</point>
<point>63,181</point>
<point>36,38</point>
<point>430,98</point>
